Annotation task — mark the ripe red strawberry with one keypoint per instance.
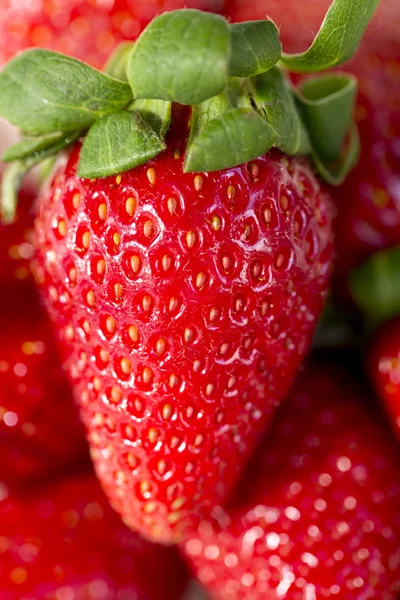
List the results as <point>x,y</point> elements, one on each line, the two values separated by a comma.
<point>86,29</point>
<point>65,542</point>
<point>384,368</point>
<point>186,304</point>
<point>318,514</point>
<point>371,220</point>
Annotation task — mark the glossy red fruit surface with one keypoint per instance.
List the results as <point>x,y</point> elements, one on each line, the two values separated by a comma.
<point>384,368</point>
<point>185,304</point>
<point>369,201</point>
<point>88,29</point>
<point>317,515</point>
<point>65,542</point>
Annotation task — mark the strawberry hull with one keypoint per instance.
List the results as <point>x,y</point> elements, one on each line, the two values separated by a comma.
<point>184,305</point>
<point>317,514</point>
<point>368,201</point>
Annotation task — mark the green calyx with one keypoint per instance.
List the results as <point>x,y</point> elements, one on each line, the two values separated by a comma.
<point>232,75</point>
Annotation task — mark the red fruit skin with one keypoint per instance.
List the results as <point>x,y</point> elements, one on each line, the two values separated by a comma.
<point>369,200</point>
<point>317,515</point>
<point>207,325</point>
<point>384,368</point>
<point>88,29</point>
<point>64,541</point>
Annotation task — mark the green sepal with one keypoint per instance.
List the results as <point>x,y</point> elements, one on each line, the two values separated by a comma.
<point>116,144</point>
<point>12,177</point>
<point>45,92</point>
<point>117,63</point>
<point>375,286</point>
<point>157,113</point>
<point>31,145</point>
<point>182,56</point>
<point>11,180</point>
<point>274,98</point>
<point>336,172</point>
<point>327,106</point>
<point>226,131</point>
<point>337,39</point>
<point>255,48</point>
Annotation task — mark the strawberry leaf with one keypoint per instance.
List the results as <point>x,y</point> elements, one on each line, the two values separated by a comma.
<point>337,39</point>
<point>11,180</point>
<point>255,48</point>
<point>31,145</point>
<point>375,285</point>
<point>45,92</point>
<point>25,155</point>
<point>182,56</point>
<point>157,113</point>
<point>117,143</point>
<point>232,138</point>
<point>336,172</point>
<point>117,63</point>
<point>274,98</point>
<point>327,106</point>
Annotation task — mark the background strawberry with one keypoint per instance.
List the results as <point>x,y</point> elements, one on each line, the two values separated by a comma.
<point>40,431</point>
<point>64,541</point>
<point>371,220</point>
<point>384,367</point>
<point>185,305</point>
<point>87,29</point>
<point>317,515</point>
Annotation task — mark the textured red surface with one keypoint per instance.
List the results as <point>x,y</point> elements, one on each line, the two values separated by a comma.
<point>66,542</point>
<point>317,516</point>
<point>185,305</point>
<point>384,368</point>
<point>87,29</point>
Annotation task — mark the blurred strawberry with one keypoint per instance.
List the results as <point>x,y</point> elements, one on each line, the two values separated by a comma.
<point>40,431</point>
<point>87,29</point>
<point>370,220</point>
<point>66,543</point>
<point>384,368</point>
<point>318,514</point>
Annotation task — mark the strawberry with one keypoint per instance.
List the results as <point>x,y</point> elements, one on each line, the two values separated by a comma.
<point>317,515</point>
<point>87,29</point>
<point>40,432</point>
<point>64,541</point>
<point>384,367</point>
<point>371,221</point>
<point>184,255</point>
<point>173,318</point>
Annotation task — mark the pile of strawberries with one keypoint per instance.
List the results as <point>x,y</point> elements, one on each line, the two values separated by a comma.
<point>200,371</point>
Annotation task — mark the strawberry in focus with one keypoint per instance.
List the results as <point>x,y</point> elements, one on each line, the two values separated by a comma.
<point>371,220</point>
<point>64,541</point>
<point>185,304</point>
<point>318,512</point>
<point>87,29</point>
